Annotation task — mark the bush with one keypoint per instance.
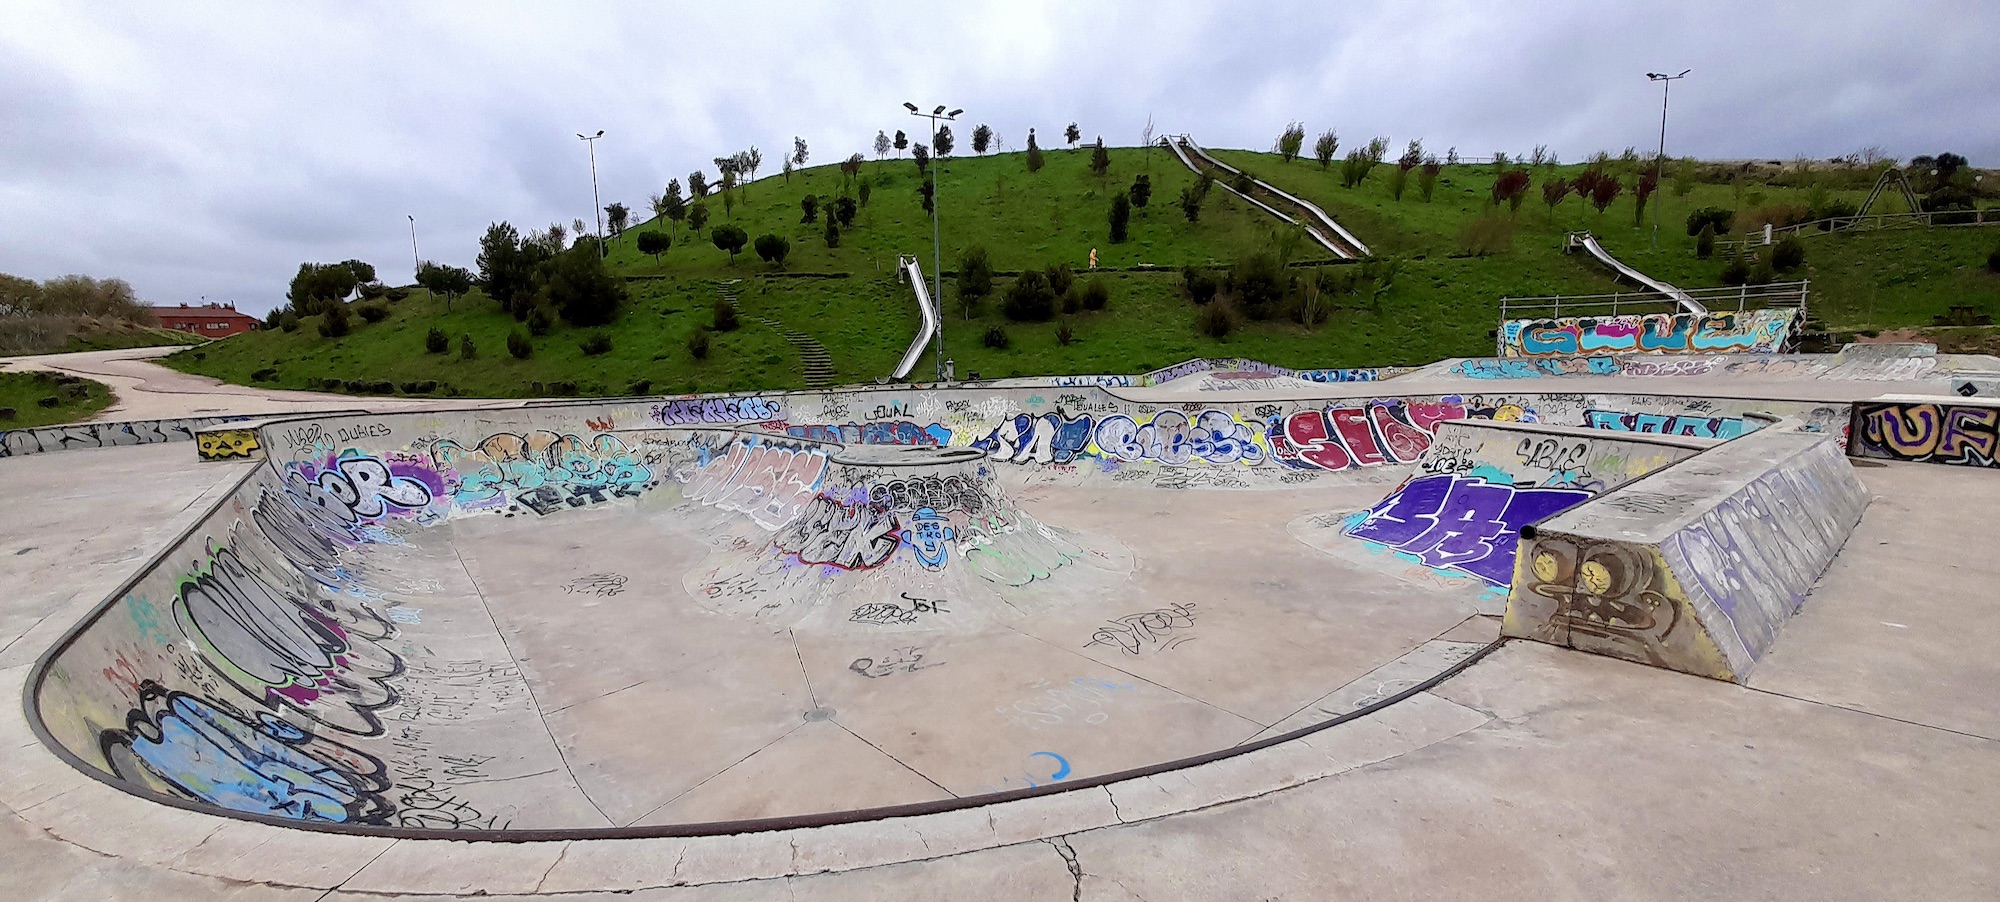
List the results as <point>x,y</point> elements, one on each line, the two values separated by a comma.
<point>334,323</point>
<point>49,401</point>
<point>1061,278</point>
<point>8,413</point>
<point>698,344</point>
<point>373,313</point>
<point>373,290</point>
<point>1071,303</point>
<point>1993,261</point>
<point>1762,274</point>
<point>398,294</point>
<point>1030,298</point>
<point>773,249</point>
<point>582,291</point>
<point>1736,272</point>
<point>466,349</point>
<point>844,209</point>
<point>519,345</point>
<point>288,321</point>
<point>996,338</point>
<point>1200,284</point>
<point>1704,243</point>
<point>540,320</point>
<point>1121,217</point>
<point>1096,295</point>
<point>975,274</point>
<point>725,316</point>
<point>1717,217</point>
<point>639,387</point>
<point>1776,215</point>
<point>1833,208</point>
<point>1789,254</point>
<point>266,374</point>
<point>597,343</point>
<point>1215,321</point>
<point>832,232</point>
<point>435,341</point>
<point>1259,285</point>
<point>1487,235</point>
<point>1064,334</point>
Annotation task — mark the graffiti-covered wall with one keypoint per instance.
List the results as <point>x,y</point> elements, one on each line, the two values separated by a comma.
<point>44,439</point>
<point>1963,433</point>
<point>1752,332</point>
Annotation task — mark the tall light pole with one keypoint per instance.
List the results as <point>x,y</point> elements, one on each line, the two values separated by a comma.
<point>937,263</point>
<point>415,260</point>
<point>1660,162</point>
<point>595,201</point>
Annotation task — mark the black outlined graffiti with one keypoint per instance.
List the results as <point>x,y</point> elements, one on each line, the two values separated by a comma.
<point>831,533</point>
<point>907,659</point>
<point>1147,632</point>
<point>602,584</point>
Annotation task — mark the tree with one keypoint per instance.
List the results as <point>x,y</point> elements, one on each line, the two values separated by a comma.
<point>1648,183</point>
<point>697,185</point>
<point>466,349</point>
<point>922,156</point>
<point>799,152</point>
<point>773,249</point>
<point>1604,193</point>
<point>975,277</point>
<point>927,192</point>
<point>832,231</point>
<point>1121,215</point>
<point>448,281</point>
<point>1427,177</point>
<point>435,341</point>
<point>333,322</point>
<point>1704,242</point>
<point>1553,192</point>
<point>902,141</point>
<point>315,288</point>
<point>697,217</point>
<point>982,138</point>
<point>581,290</point>
<point>1510,188</point>
<point>1142,190</point>
<point>850,168</point>
<point>1100,159</point>
<point>505,267</point>
<point>1398,181</point>
<point>1072,134</point>
<point>1329,141</point>
<point>809,209</point>
<point>1029,299</point>
<point>844,209</point>
<point>1259,284</point>
<point>1146,141</point>
<point>882,145</point>
<point>863,192</point>
<point>728,238</point>
<point>519,346</point>
<point>615,216</point>
<point>1034,153</point>
<point>755,159</point>
<point>1193,195</point>
<point>676,207</point>
<point>363,272</point>
<point>655,243</point>
<point>942,141</point>
<point>728,196</point>
<point>1290,141</point>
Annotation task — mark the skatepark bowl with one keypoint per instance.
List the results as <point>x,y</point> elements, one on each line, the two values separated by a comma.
<point>658,617</point>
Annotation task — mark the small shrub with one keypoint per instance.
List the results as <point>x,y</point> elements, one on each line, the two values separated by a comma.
<point>1065,335</point>
<point>466,349</point>
<point>373,290</point>
<point>565,388</point>
<point>1030,298</point>
<point>1736,272</point>
<point>49,401</point>
<point>288,321</point>
<point>1789,254</point>
<point>435,341</point>
<point>698,344</point>
<point>639,387</point>
<point>373,313</point>
<point>398,294</point>
<point>597,343</point>
<point>1704,243</point>
<point>519,345</point>
<point>1215,321</point>
<point>408,388</point>
<point>1071,303</point>
<point>1200,284</point>
<point>8,413</point>
<point>426,386</point>
<point>266,374</point>
<point>1763,273</point>
<point>772,249</point>
<point>1096,295</point>
<point>725,317</point>
<point>334,323</point>
<point>1993,261</point>
<point>1717,217</point>
<point>1061,278</point>
<point>996,338</point>
<point>540,320</point>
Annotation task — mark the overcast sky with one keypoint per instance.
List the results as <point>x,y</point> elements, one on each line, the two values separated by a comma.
<point>205,150</point>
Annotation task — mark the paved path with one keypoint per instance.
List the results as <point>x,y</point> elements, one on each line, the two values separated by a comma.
<point>148,391</point>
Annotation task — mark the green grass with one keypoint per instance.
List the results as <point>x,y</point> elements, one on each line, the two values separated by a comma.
<point>1444,302</point>
<point>76,398</point>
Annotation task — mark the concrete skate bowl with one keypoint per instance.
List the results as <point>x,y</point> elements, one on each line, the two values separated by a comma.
<point>670,617</point>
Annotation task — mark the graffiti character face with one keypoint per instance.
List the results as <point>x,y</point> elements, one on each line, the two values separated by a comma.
<point>929,537</point>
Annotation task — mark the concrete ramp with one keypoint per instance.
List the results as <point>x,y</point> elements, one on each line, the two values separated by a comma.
<point>1695,568</point>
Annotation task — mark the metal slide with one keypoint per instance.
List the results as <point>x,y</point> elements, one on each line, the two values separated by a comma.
<point>1589,243</point>
<point>1323,229</point>
<point>927,306</point>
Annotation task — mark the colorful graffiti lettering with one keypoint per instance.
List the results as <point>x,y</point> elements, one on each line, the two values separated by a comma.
<point>1048,438</point>
<point>546,470</point>
<point>1665,424</point>
<point>850,537</point>
<point>1759,331</point>
<point>711,411</point>
<point>355,488</point>
<point>929,537</point>
<point>1462,522</point>
<point>1959,434</point>
<point>1503,368</point>
<point>1338,438</point>
<point>769,484</point>
<point>1171,438</point>
<point>900,432</point>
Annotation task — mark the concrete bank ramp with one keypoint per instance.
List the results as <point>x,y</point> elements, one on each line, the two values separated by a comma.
<point>1695,568</point>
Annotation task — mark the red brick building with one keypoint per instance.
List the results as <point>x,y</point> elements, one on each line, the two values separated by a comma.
<point>207,320</point>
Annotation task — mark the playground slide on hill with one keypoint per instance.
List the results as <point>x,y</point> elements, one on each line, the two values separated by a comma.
<point>1314,220</point>
<point>925,305</point>
<point>1589,243</point>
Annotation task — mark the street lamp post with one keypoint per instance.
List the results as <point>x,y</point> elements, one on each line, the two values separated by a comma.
<point>415,259</point>
<point>1660,162</point>
<point>937,262</point>
<point>595,201</point>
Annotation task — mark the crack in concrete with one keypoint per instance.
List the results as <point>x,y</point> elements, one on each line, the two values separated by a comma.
<point>1068,853</point>
<point>1120,815</point>
<point>560,855</point>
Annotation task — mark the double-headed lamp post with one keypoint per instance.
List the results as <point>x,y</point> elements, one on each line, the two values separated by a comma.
<point>1660,162</point>
<point>937,262</point>
<point>594,204</point>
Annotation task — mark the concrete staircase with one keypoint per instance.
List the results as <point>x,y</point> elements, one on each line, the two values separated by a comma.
<point>815,363</point>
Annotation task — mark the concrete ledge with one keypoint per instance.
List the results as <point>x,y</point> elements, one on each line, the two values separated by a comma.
<point>1694,568</point>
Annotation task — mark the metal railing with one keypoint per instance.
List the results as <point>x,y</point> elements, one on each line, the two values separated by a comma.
<point>1742,298</point>
<point>1941,219</point>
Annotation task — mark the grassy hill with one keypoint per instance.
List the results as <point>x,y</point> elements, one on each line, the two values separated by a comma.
<point>1443,301</point>
<point>44,399</point>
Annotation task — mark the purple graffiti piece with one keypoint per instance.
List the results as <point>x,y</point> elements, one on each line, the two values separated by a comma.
<point>1406,514</point>
<point>1464,529</point>
<point>1462,522</point>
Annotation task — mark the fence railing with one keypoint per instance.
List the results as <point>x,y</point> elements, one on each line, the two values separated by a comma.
<point>1870,222</point>
<point>1742,297</point>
